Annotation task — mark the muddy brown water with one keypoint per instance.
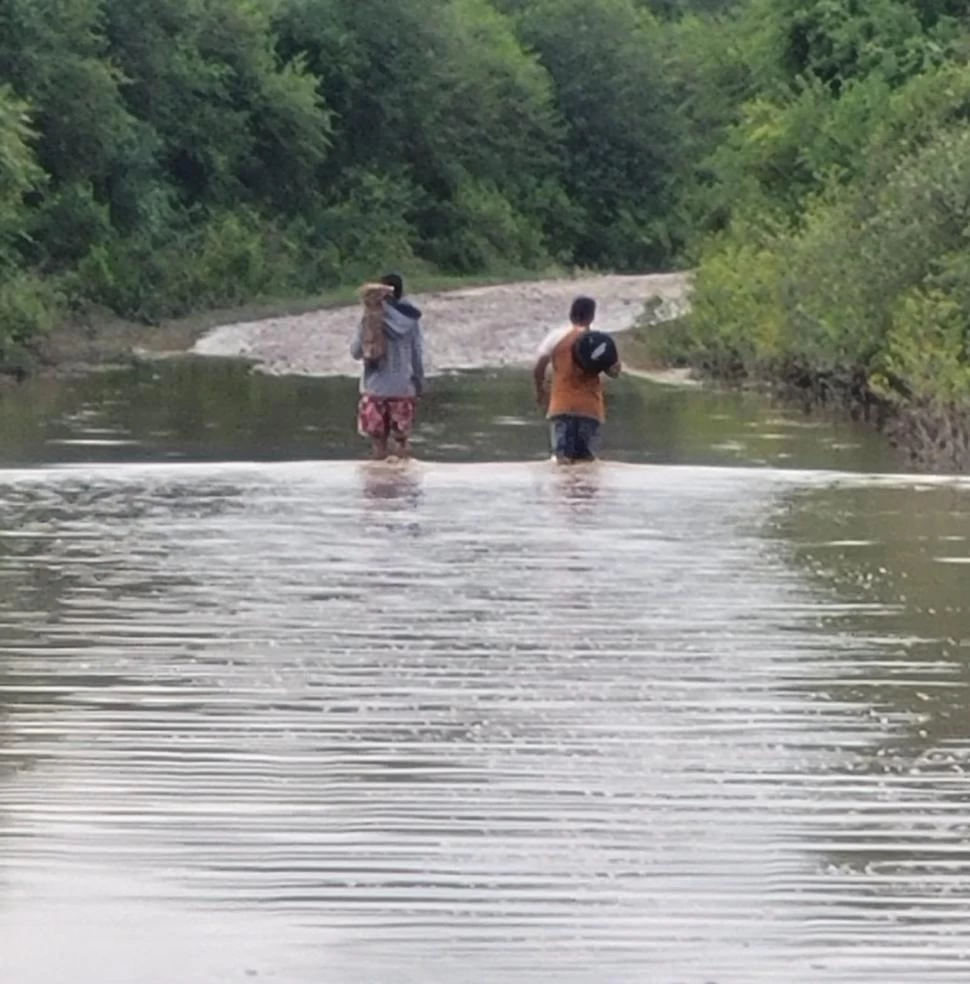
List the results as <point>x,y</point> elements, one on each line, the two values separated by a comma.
<point>698,715</point>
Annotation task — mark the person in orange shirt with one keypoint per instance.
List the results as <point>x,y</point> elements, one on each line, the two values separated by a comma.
<point>571,396</point>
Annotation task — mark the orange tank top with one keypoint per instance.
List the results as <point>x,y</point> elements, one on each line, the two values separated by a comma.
<point>574,391</point>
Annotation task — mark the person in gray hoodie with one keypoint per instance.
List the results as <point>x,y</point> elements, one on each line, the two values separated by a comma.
<point>391,386</point>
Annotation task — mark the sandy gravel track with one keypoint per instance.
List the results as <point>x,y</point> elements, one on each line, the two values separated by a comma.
<point>483,327</point>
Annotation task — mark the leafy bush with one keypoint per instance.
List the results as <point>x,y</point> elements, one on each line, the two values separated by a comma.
<point>29,308</point>
<point>229,259</point>
<point>876,282</point>
<point>486,233</point>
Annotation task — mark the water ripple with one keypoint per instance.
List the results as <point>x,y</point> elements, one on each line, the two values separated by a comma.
<point>455,724</point>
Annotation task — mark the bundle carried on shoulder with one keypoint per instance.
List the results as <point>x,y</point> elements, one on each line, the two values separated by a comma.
<point>595,352</point>
<point>373,340</point>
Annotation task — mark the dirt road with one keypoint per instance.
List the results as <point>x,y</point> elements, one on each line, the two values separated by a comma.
<point>483,327</point>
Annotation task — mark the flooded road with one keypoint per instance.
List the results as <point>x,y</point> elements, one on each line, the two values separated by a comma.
<point>696,716</point>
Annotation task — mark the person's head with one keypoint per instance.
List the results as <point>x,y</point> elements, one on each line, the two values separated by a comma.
<point>395,282</point>
<point>583,312</point>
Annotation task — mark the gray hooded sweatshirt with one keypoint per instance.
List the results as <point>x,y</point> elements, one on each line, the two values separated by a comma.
<point>401,372</point>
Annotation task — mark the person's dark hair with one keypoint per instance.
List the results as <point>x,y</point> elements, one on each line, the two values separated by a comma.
<point>395,281</point>
<point>583,311</point>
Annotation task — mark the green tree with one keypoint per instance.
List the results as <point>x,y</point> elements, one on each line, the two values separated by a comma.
<point>19,171</point>
<point>438,97</point>
<point>54,54</point>
<point>623,135</point>
<point>232,122</point>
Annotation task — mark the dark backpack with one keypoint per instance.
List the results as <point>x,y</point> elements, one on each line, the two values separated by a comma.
<point>595,352</point>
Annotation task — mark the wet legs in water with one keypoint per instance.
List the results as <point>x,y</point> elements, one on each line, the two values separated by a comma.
<point>574,439</point>
<point>386,422</point>
<point>381,448</point>
<point>378,451</point>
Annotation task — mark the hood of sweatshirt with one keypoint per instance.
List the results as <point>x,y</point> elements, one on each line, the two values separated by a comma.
<point>400,318</point>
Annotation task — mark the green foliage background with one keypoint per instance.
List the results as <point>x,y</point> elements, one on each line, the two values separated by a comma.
<point>159,157</point>
<point>810,157</point>
<point>831,211</point>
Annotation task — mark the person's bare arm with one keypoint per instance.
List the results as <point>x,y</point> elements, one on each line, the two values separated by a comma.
<point>539,377</point>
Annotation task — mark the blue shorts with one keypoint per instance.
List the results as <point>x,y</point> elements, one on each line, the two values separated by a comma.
<point>574,438</point>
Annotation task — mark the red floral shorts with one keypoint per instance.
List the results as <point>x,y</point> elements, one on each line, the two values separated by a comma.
<point>380,418</point>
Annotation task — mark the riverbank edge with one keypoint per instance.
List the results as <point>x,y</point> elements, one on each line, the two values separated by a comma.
<point>477,328</point>
<point>106,342</point>
<point>934,437</point>
<point>101,340</point>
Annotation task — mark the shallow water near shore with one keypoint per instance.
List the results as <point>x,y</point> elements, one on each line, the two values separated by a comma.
<point>695,715</point>
<point>200,410</point>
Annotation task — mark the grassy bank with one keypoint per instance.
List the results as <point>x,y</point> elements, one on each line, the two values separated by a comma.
<point>934,435</point>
